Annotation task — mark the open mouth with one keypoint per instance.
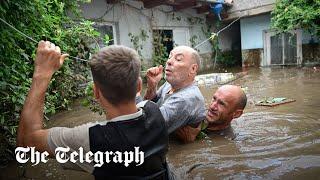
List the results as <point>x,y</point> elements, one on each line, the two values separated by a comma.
<point>168,71</point>
<point>211,113</point>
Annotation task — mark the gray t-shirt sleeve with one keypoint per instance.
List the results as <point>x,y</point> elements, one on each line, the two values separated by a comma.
<point>74,138</point>
<point>181,110</point>
<point>138,99</point>
<point>159,91</point>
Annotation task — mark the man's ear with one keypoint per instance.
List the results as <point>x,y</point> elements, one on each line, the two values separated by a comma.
<point>139,87</point>
<point>194,68</point>
<point>96,91</point>
<point>237,113</point>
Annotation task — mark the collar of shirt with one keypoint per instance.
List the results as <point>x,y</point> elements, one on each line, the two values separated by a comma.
<point>127,116</point>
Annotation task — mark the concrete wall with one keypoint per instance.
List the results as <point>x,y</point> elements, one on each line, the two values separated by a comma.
<point>252,30</point>
<point>250,8</point>
<point>252,57</point>
<point>241,5</point>
<point>252,38</point>
<point>131,17</point>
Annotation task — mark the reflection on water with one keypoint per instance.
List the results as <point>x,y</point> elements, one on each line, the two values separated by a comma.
<point>269,143</point>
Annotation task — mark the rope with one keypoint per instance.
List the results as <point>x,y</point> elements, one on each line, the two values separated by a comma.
<point>72,57</point>
<point>216,34</point>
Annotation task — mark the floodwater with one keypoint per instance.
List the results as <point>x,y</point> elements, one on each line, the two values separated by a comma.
<point>281,142</point>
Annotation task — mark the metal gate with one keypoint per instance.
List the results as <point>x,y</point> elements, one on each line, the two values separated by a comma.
<point>282,49</point>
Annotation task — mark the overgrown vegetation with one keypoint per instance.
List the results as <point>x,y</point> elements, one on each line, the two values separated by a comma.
<point>224,59</point>
<point>41,20</point>
<point>160,54</point>
<point>291,14</point>
<point>138,41</point>
<point>90,101</point>
<point>193,40</point>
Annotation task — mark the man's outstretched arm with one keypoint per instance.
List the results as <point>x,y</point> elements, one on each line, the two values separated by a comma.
<point>30,130</point>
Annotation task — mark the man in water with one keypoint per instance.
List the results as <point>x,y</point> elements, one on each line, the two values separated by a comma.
<point>228,103</point>
<point>179,99</point>
<point>115,71</point>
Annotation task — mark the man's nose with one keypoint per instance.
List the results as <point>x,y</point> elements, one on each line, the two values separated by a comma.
<point>169,61</point>
<point>213,105</point>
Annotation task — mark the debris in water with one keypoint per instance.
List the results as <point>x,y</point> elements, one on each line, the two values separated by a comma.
<point>217,78</point>
<point>274,101</point>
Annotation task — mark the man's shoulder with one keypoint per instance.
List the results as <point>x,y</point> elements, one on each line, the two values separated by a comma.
<point>144,103</point>
<point>191,92</point>
<point>148,106</point>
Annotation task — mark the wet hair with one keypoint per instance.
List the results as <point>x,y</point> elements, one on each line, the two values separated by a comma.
<point>115,71</point>
<point>242,102</point>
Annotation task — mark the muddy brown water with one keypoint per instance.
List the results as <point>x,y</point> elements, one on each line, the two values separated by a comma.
<point>281,142</point>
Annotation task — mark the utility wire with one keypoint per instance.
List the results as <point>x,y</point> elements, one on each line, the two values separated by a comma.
<point>76,58</point>
<point>72,57</point>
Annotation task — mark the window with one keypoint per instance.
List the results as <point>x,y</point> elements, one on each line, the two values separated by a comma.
<point>106,29</point>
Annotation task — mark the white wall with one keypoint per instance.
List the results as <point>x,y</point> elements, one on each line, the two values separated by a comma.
<point>242,5</point>
<point>252,30</point>
<point>131,17</point>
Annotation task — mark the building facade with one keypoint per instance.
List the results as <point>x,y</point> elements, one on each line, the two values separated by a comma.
<point>131,24</point>
<point>249,40</point>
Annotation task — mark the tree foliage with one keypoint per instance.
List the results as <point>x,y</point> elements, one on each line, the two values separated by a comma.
<point>291,14</point>
<point>41,20</point>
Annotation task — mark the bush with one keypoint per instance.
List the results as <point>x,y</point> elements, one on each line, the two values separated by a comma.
<point>291,14</point>
<point>46,20</point>
<point>226,59</point>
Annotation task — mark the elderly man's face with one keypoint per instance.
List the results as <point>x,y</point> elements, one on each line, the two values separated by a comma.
<point>178,66</point>
<point>222,107</point>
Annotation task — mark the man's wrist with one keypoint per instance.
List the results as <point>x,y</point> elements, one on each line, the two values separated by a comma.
<point>150,93</point>
<point>42,76</point>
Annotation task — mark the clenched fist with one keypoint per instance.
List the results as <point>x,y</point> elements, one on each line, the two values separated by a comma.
<point>154,75</point>
<point>48,59</point>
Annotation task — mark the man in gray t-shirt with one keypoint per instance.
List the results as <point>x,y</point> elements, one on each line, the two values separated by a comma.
<point>180,100</point>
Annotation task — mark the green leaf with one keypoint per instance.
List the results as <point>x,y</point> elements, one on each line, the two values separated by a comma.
<point>106,39</point>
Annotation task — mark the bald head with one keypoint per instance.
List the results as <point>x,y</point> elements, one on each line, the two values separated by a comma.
<point>238,93</point>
